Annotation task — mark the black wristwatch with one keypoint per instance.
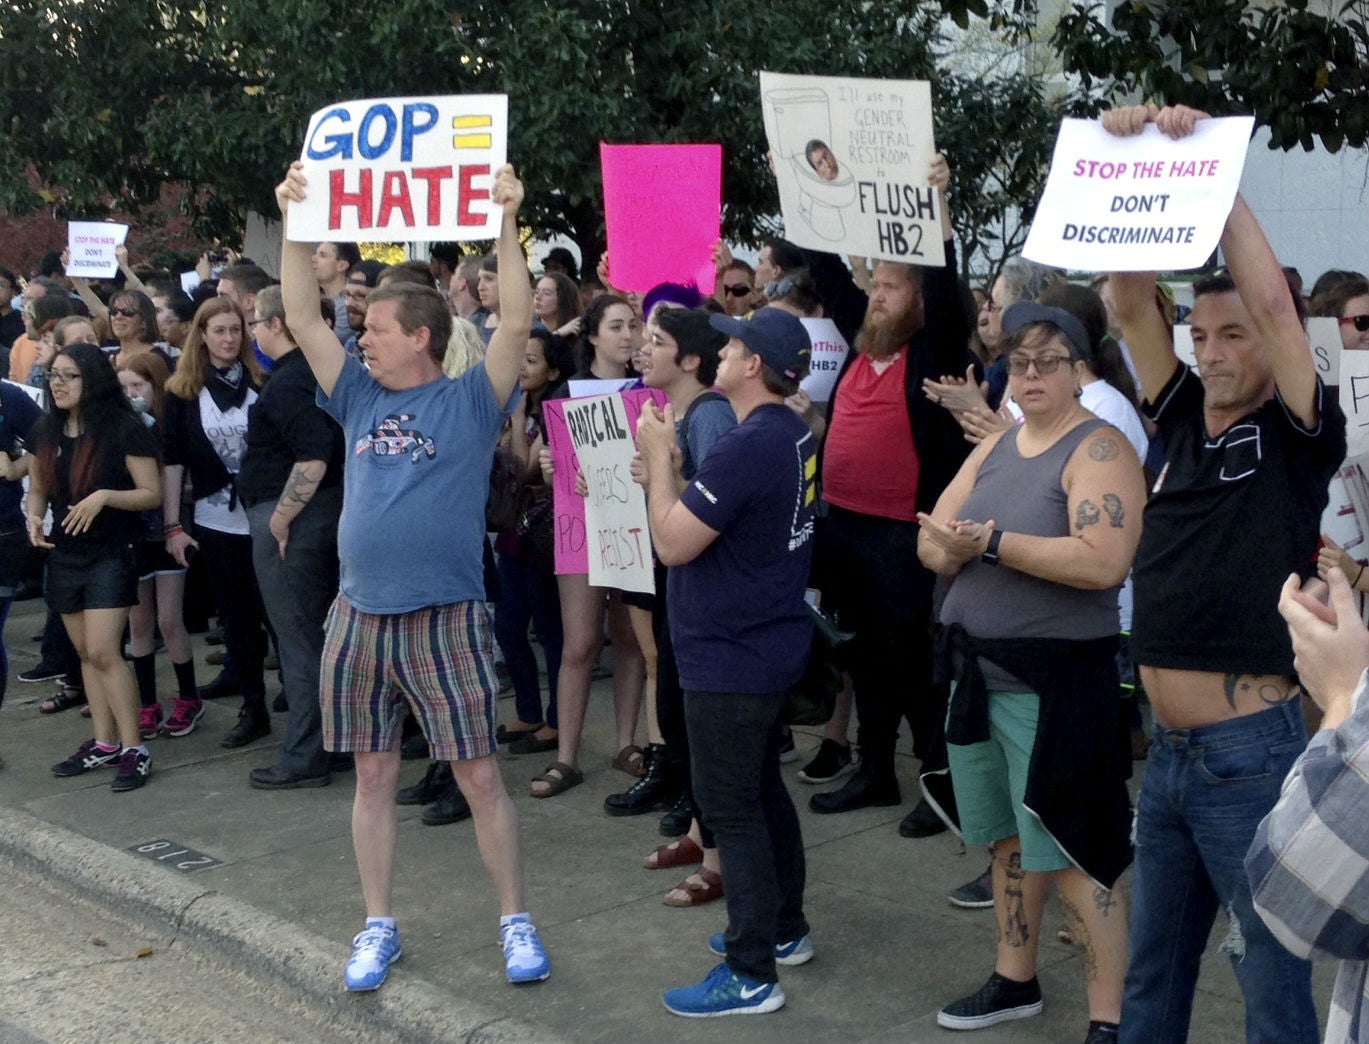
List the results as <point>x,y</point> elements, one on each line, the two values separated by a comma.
<point>990,555</point>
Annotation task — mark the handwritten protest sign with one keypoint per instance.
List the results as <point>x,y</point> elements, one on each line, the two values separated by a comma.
<point>91,246</point>
<point>1138,204</point>
<point>1354,400</point>
<point>828,354</point>
<point>592,386</point>
<point>1323,333</point>
<point>851,160</point>
<point>572,535</point>
<point>403,168</point>
<point>662,212</point>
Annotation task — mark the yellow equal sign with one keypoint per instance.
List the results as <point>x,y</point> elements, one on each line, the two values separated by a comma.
<point>468,135</point>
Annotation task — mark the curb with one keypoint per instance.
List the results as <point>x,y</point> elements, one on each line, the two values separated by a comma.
<point>257,944</point>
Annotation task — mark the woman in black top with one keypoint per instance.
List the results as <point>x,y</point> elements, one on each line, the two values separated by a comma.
<point>96,467</point>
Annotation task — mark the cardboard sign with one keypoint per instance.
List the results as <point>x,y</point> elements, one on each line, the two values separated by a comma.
<point>1323,333</point>
<point>662,212</point>
<point>851,160</point>
<point>91,246</point>
<point>572,536</point>
<point>388,169</point>
<point>824,364</point>
<point>581,388</point>
<point>1144,203</point>
<point>1354,400</point>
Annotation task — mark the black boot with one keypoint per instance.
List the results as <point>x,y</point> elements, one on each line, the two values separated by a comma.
<point>428,789</point>
<point>676,822</point>
<point>254,722</point>
<point>656,789</point>
<point>451,807</point>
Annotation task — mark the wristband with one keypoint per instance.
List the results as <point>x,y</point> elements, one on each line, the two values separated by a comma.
<point>169,531</point>
<point>990,555</point>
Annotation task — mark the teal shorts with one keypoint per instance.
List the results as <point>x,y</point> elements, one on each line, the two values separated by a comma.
<point>990,781</point>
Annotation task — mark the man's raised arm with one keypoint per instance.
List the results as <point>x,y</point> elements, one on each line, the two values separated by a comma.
<point>299,292</point>
<point>510,339</point>
<point>1145,330</point>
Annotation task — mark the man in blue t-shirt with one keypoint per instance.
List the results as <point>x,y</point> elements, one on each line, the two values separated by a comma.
<point>409,624</point>
<point>738,541</point>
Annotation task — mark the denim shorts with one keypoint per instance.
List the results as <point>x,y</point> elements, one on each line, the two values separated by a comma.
<point>104,581</point>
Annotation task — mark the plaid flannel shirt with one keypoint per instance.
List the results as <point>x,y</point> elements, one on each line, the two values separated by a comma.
<point>1309,864</point>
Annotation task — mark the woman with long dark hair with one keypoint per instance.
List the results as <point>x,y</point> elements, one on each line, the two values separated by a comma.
<point>204,433</point>
<point>96,467</point>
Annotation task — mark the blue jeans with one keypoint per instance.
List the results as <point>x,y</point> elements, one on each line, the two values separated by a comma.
<point>1205,792</point>
<point>528,593</point>
<point>734,743</point>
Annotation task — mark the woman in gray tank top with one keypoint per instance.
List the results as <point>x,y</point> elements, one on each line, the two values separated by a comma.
<point>1035,535</point>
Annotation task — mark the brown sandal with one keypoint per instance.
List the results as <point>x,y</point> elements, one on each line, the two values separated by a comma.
<point>708,888</point>
<point>559,778</point>
<point>680,852</point>
<point>631,760</point>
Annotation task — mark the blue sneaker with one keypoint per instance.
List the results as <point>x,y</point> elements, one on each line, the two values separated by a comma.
<point>800,951</point>
<point>724,992</point>
<point>374,949</point>
<point>524,958</point>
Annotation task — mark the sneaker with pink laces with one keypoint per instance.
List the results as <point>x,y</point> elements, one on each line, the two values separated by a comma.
<point>184,716</point>
<point>149,721</point>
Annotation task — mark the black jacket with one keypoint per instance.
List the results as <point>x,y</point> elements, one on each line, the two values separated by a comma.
<point>185,443</point>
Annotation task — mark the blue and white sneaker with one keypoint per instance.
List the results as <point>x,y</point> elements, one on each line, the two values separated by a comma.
<point>800,951</point>
<point>524,958</point>
<point>374,949</point>
<point>724,992</point>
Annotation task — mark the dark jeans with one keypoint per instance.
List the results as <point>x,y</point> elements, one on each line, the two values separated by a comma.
<point>228,557</point>
<point>736,739</point>
<point>670,701</point>
<point>298,591</point>
<point>883,593</point>
<point>528,593</point>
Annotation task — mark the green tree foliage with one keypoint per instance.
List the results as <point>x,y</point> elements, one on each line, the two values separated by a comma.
<point>1303,74</point>
<point>112,98</point>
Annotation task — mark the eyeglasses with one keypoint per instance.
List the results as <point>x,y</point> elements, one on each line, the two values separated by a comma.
<point>1359,322</point>
<point>356,295</point>
<point>63,376</point>
<point>737,290</point>
<point>544,291</point>
<point>127,313</point>
<point>253,322</point>
<point>1045,364</point>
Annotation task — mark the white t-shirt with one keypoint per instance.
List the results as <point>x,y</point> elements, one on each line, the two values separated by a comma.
<point>227,433</point>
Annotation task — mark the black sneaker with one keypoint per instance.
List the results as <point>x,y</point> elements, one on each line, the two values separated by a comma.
<point>220,688</point>
<point>451,807</point>
<point>1102,1033</point>
<point>998,1000</point>
<point>41,673</point>
<point>974,895</point>
<point>134,767</point>
<point>922,821</point>
<point>833,762</point>
<point>428,789</point>
<point>87,757</point>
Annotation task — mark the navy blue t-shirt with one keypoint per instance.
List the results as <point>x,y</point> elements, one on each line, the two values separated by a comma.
<point>18,415</point>
<point>737,618</point>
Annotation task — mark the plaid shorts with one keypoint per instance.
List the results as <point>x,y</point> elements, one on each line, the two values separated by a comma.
<point>440,660</point>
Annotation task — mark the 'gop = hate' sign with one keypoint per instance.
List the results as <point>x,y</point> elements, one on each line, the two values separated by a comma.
<point>403,168</point>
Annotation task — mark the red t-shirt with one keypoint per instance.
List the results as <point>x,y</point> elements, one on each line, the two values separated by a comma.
<point>869,461</point>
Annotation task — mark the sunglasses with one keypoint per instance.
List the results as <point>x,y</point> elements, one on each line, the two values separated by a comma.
<point>1045,364</point>
<point>127,313</point>
<point>739,290</point>
<point>1359,322</point>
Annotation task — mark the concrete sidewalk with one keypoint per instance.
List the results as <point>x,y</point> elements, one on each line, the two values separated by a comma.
<point>284,899</point>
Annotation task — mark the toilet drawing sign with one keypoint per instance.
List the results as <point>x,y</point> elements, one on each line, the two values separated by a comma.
<point>851,159</point>
<point>387,169</point>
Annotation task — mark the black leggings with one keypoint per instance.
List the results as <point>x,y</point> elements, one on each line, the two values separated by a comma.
<point>228,557</point>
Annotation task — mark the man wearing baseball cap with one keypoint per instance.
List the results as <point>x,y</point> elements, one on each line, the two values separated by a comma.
<point>738,540</point>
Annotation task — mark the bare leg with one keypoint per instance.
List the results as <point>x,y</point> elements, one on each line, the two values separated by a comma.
<point>375,826</point>
<point>110,688</point>
<point>171,615</point>
<point>496,828</point>
<point>646,641</point>
<point>629,674</point>
<point>1098,921</point>
<point>1018,900</point>
<point>582,620</point>
<point>838,726</point>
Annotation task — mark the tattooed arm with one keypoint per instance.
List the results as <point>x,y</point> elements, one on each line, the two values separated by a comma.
<point>1106,492</point>
<point>300,488</point>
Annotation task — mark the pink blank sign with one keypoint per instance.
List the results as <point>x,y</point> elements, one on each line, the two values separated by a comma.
<point>661,207</point>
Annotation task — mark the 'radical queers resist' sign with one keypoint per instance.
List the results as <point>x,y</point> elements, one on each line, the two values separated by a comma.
<point>389,169</point>
<point>1145,203</point>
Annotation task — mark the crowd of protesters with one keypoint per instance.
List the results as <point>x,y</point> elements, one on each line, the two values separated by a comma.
<point>1017,518</point>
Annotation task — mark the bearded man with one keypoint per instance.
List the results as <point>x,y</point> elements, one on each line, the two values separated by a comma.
<point>889,453</point>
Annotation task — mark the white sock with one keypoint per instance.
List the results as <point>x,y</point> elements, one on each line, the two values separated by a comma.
<point>380,922</point>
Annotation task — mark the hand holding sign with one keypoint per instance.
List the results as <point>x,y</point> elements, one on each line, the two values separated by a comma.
<point>507,191</point>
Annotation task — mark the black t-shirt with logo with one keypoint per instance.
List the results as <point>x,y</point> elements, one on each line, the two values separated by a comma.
<point>112,528</point>
<point>1229,518</point>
